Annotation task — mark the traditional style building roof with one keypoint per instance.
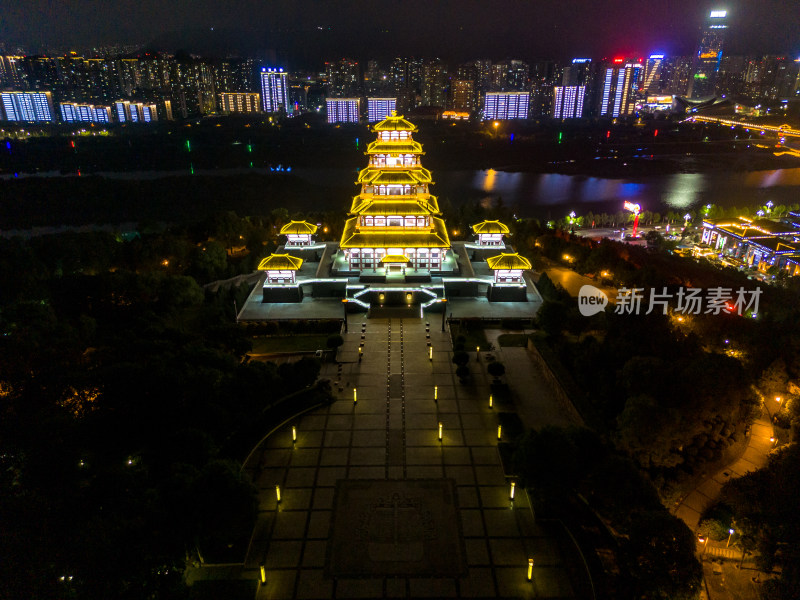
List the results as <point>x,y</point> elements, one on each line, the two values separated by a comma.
<point>280,262</point>
<point>394,237</point>
<point>486,227</point>
<point>395,259</point>
<point>394,123</point>
<point>508,262</point>
<point>394,175</point>
<point>298,228</point>
<point>414,205</point>
<point>394,147</point>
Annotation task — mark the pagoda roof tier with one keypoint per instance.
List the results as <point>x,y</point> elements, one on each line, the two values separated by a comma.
<point>394,147</point>
<point>414,205</point>
<point>394,123</point>
<point>508,262</point>
<point>388,176</point>
<point>298,227</point>
<point>490,227</point>
<point>387,237</point>
<point>280,262</point>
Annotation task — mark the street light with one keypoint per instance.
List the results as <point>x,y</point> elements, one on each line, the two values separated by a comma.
<point>530,569</point>
<point>355,395</point>
<point>294,434</point>
<point>491,401</point>
<point>263,574</point>
<point>278,493</point>
<point>730,535</point>
<point>511,493</point>
<point>440,431</point>
<point>436,393</point>
<point>430,353</point>
<point>499,432</point>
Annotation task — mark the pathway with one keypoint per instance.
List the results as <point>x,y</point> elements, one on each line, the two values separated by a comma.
<point>353,521</point>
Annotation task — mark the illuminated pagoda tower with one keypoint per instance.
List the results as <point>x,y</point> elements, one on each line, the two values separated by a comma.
<point>395,229</point>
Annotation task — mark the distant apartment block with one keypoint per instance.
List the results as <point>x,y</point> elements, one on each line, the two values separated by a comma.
<point>501,106</point>
<point>568,101</point>
<point>28,107</point>
<point>240,102</point>
<point>84,113</point>
<point>343,110</point>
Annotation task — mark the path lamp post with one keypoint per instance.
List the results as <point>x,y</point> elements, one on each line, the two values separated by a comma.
<point>530,569</point>
<point>730,535</point>
<point>440,431</point>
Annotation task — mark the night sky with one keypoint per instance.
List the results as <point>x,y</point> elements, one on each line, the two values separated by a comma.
<point>308,31</point>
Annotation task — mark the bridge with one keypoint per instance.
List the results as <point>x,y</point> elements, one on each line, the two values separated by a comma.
<point>781,130</point>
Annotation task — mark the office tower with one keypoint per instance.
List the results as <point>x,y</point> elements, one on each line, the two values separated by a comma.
<point>568,101</point>
<point>434,85</point>
<point>239,102</point>
<point>676,72</point>
<point>578,72</point>
<point>707,60</point>
<point>651,82</point>
<point>274,90</point>
<point>510,75</point>
<point>464,96</point>
<point>619,85</point>
<point>343,110</point>
<point>344,78</point>
<point>33,107</point>
<point>501,106</point>
<point>379,109</point>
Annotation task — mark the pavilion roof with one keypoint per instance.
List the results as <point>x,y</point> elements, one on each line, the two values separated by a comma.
<point>394,123</point>
<point>394,147</point>
<point>411,205</point>
<point>395,259</point>
<point>299,227</point>
<point>386,176</point>
<point>490,227</point>
<point>280,262</point>
<point>388,237</point>
<point>508,261</point>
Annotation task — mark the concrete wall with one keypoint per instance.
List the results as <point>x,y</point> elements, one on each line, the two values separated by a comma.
<point>282,294</point>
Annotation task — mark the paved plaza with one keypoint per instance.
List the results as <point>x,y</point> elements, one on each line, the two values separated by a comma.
<point>374,505</point>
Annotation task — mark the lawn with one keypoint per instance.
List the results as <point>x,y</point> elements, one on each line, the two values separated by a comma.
<point>289,343</point>
<point>518,340</point>
<point>471,332</point>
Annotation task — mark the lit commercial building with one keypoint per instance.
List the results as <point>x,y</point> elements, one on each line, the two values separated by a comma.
<point>32,107</point>
<point>568,101</point>
<point>380,108</point>
<point>343,110</point>
<point>501,106</point>
<point>620,83</point>
<point>274,90</point>
<point>464,95</point>
<point>707,60</point>
<point>395,222</point>
<point>84,113</point>
<point>240,102</point>
<point>755,242</point>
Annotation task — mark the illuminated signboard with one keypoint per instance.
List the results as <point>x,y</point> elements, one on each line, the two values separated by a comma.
<point>656,57</point>
<point>659,99</point>
<point>718,14</point>
<point>633,207</point>
<point>580,61</point>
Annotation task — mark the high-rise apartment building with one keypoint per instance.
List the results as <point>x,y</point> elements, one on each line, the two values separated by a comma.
<point>239,102</point>
<point>568,101</point>
<point>12,74</point>
<point>619,86</point>
<point>434,83</point>
<point>707,60</point>
<point>343,110</point>
<point>501,106</point>
<point>32,107</point>
<point>344,78</point>
<point>274,90</point>
<point>379,109</point>
<point>463,92</point>
<point>135,112</point>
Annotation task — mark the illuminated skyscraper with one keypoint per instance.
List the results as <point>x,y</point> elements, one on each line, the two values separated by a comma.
<point>274,90</point>
<point>707,60</point>
<point>463,91</point>
<point>618,92</point>
<point>33,107</point>
<point>501,106</point>
<point>135,112</point>
<point>652,73</point>
<point>343,110</point>
<point>380,108</point>
<point>568,101</point>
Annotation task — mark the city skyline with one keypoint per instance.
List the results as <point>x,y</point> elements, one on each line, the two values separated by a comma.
<point>308,32</point>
